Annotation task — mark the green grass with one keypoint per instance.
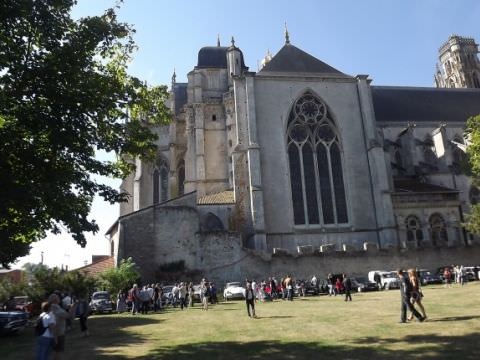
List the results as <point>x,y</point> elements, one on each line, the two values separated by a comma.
<point>310,328</point>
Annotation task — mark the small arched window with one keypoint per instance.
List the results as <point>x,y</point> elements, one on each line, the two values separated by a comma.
<point>160,181</point>
<point>438,230</point>
<point>414,230</point>
<point>315,159</point>
<point>181,177</point>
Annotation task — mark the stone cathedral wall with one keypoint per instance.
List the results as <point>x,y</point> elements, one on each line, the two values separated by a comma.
<point>164,234</point>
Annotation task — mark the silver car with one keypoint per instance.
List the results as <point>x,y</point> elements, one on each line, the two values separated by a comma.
<point>233,290</point>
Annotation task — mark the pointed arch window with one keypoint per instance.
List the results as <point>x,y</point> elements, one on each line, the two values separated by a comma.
<point>160,182</point>
<point>438,230</point>
<point>315,159</point>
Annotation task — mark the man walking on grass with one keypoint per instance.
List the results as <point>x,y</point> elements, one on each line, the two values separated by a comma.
<point>250,299</point>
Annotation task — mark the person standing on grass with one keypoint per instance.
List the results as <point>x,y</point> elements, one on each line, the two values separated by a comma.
<point>406,294</point>
<point>121,302</point>
<point>61,317</point>
<point>83,311</point>
<point>205,294</point>
<point>250,299</point>
<point>347,285</point>
<point>134,295</point>
<point>191,294</point>
<point>182,295</point>
<point>46,340</point>
<point>331,288</point>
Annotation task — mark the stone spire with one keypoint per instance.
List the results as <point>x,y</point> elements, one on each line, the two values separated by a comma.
<point>174,77</point>
<point>218,40</point>
<point>287,36</point>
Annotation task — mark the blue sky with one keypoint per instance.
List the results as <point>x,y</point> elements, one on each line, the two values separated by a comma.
<point>395,42</point>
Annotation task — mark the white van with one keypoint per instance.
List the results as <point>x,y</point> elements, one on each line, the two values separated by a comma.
<point>388,279</point>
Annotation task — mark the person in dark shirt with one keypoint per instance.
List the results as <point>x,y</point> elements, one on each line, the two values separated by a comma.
<point>250,299</point>
<point>347,285</point>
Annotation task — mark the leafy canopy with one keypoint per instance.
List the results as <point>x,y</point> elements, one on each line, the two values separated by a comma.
<point>473,151</point>
<point>119,278</point>
<point>64,94</point>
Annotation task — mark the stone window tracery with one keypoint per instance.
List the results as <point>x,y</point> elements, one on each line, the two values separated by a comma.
<point>414,230</point>
<point>438,230</point>
<point>315,159</point>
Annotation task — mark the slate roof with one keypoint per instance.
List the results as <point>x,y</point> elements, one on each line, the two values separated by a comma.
<point>292,59</point>
<point>214,57</point>
<point>423,104</point>
<point>180,91</point>
<point>221,198</point>
<point>415,186</point>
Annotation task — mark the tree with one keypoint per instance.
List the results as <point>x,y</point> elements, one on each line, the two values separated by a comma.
<point>65,94</point>
<point>119,278</point>
<point>473,152</point>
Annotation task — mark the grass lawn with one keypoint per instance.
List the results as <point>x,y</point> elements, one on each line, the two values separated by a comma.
<point>310,328</point>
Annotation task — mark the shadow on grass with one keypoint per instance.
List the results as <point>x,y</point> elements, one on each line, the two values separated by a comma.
<point>102,334</point>
<point>433,347</point>
<point>455,318</point>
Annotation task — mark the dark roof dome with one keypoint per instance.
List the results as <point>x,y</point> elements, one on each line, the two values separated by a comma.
<point>214,57</point>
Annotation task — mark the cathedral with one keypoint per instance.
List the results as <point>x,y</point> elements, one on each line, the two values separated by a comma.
<point>300,162</point>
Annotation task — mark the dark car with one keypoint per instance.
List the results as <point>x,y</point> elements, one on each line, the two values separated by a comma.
<point>101,302</point>
<point>428,277</point>
<point>12,321</point>
<point>362,284</point>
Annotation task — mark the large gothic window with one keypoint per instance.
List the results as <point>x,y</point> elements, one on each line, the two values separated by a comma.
<point>160,182</point>
<point>315,158</point>
<point>438,230</point>
<point>414,230</point>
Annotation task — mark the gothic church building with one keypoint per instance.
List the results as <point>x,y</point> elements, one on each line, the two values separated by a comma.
<point>299,158</point>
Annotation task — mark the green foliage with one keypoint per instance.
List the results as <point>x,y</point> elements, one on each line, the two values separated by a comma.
<point>42,281</point>
<point>119,278</point>
<point>473,152</point>
<point>65,94</point>
<point>9,288</point>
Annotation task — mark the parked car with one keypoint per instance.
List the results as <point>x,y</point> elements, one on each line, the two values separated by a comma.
<point>428,277</point>
<point>362,284</point>
<point>470,273</point>
<point>388,279</point>
<point>167,295</point>
<point>233,290</point>
<point>101,302</point>
<point>23,303</point>
<point>12,321</point>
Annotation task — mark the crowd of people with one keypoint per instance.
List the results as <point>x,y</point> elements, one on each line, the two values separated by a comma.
<point>61,308</point>
<point>55,320</point>
<point>156,296</point>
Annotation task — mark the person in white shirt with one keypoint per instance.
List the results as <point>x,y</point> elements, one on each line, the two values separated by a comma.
<point>46,341</point>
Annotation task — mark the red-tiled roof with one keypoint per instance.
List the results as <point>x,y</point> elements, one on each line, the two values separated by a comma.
<point>97,267</point>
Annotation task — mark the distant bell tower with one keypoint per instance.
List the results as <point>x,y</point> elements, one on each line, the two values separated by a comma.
<point>459,66</point>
